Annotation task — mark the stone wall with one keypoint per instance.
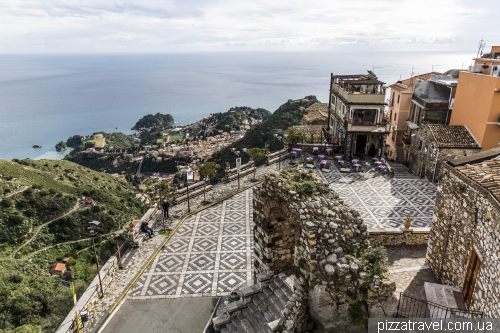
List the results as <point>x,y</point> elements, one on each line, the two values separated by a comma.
<point>397,236</point>
<point>320,238</point>
<point>466,217</point>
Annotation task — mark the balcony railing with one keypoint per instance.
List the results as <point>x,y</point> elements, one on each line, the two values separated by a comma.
<point>412,307</point>
<point>357,97</point>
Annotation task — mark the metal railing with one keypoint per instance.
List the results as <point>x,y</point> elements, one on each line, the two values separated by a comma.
<point>413,307</point>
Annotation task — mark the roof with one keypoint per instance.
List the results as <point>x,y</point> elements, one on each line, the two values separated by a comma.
<point>411,124</point>
<point>485,174</point>
<point>356,82</point>
<point>399,86</point>
<point>453,136</point>
<point>58,267</point>
<point>475,158</point>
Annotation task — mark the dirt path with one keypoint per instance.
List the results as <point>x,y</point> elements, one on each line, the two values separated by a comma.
<point>37,231</point>
<point>70,242</point>
<point>24,188</point>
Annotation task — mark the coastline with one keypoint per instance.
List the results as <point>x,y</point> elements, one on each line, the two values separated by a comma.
<point>54,154</point>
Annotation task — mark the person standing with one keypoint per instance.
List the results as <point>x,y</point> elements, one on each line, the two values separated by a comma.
<point>165,206</point>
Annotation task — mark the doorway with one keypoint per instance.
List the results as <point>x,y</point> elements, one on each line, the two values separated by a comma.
<point>360,144</point>
<point>470,277</point>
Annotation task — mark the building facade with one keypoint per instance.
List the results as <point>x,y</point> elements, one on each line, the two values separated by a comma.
<point>431,103</point>
<point>399,110</point>
<point>477,102</point>
<point>356,118</point>
<point>433,144</point>
<point>464,244</point>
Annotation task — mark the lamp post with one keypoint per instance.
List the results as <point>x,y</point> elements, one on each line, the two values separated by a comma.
<point>282,139</point>
<point>179,167</point>
<point>93,234</point>
<point>237,153</point>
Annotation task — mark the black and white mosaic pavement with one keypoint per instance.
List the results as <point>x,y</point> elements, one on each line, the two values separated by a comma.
<point>209,255</point>
<point>384,202</point>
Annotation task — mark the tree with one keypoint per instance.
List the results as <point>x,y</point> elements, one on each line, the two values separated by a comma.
<point>294,136</point>
<point>256,154</point>
<point>61,146</point>
<point>207,170</point>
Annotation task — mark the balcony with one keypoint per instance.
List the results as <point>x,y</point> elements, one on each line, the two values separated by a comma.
<point>406,139</point>
<point>373,96</point>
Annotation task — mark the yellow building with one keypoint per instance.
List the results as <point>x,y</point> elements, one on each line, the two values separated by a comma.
<point>477,100</point>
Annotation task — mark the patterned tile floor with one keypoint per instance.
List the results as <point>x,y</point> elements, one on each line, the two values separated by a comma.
<point>209,255</point>
<point>384,202</point>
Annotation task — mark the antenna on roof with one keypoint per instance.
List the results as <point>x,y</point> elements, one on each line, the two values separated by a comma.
<point>480,47</point>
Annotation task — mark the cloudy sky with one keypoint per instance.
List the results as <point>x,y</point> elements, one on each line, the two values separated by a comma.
<point>53,26</point>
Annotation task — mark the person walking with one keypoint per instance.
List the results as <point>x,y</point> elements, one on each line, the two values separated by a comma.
<point>165,206</point>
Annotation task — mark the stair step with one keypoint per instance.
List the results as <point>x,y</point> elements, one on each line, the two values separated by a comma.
<point>235,306</point>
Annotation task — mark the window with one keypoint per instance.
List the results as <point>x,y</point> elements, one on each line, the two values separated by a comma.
<point>390,115</point>
<point>398,98</point>
<point>392,101</point>
<point>395,116</point>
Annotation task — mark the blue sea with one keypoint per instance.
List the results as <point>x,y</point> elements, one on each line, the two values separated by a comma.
<point>47,98</point>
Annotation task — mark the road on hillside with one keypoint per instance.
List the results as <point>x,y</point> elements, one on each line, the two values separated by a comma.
<point>180,315</point>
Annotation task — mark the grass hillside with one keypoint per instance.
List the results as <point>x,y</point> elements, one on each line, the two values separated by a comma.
<point>38,212</point>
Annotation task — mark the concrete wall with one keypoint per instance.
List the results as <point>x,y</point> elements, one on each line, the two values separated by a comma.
<point>460,224</point>
<point>476,105</point>
<point>396,236</point>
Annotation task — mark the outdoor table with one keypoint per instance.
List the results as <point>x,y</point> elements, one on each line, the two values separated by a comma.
<point>321,157</point>
<point>381,167</point>
<point>328,151</point>
<point>357,166</point>
<point>378,163</point>
<point>309,158</point>
<point>293,154</point>
<point>338,158</point>
<point>298,150</point>
<point>340,161</point>
<point>315,150</point>
<point>322,162</point>
<point>355,161</point>
<point>374,159</point>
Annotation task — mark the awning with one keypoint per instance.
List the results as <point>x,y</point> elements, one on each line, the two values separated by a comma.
<point>411,124</point>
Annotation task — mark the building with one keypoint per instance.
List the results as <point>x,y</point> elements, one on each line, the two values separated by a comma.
<point>477,101</point>
<point>58,269</point>
<point>464,244</point>
<point>399,110</point>
<point>434,144</point>
<point>431,103</point>
<point>356,116</point>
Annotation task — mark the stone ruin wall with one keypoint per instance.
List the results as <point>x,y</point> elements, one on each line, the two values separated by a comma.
<point>318,237</point>
<point>457,228</point>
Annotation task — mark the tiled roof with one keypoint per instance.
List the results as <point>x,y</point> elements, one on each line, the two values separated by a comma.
<point>485,173</point>
<point>453,136</point>
<point>58,267</point>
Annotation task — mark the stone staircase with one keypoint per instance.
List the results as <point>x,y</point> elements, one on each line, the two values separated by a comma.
<point>256,308</point>
<point>400,154</point>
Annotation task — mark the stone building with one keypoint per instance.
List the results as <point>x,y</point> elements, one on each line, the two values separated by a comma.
<point>308,229</point>
<point>464,244</point>
<point>433,144</point>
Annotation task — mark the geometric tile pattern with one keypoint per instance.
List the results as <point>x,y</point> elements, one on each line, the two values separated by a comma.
<point>209,255</point>
<point>384,202</point>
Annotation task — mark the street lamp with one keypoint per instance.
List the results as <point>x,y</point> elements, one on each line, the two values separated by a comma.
<point>93,234</point>
<point>179,167</point>
<point>282,139</point>
<point>237,153</point>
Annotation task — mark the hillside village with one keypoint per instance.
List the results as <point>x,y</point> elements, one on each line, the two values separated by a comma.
<point>361,207</point>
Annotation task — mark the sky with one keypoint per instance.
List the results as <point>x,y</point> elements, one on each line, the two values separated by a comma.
<point>70,26</point>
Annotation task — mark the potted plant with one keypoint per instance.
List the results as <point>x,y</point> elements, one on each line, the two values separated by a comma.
<point>228,167</point>
<point>407,221</point>
<point>362,169</point>
<point>392,172</point>
<point>345,167</point>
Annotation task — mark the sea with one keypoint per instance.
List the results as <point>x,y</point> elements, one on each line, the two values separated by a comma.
<point>48,98</point>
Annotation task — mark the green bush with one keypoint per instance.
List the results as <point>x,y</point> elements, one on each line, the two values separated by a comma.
<point>374,261</point>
